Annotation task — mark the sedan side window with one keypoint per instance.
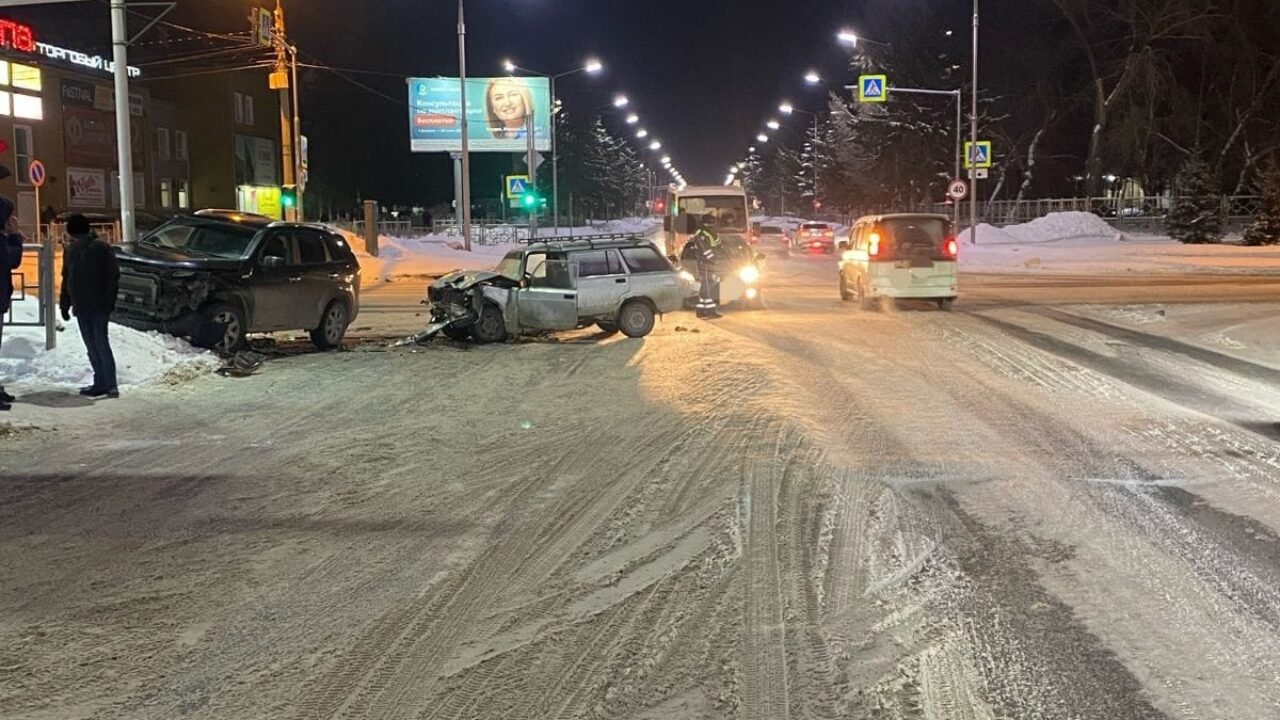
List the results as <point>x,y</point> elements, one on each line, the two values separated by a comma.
<point>593,264</point>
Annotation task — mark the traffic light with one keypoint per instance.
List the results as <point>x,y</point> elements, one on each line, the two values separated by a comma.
<point>289,196</point>
<point>531,201</point>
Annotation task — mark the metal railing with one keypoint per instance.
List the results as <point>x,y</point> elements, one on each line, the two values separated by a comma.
<point>1135,210</point>
<point>46,300</point>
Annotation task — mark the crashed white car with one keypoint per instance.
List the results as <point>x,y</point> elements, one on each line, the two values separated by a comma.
<point>619,285</point>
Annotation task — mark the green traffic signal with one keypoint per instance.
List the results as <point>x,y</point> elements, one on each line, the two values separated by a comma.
<point>289,196</point>
<point>530,200</point>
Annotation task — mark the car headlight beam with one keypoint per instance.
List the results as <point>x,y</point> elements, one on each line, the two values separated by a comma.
<point>749,274</point>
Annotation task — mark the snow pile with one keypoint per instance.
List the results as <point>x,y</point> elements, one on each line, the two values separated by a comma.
<point>1083,243</point>
<point>142,358</point>
<point>1057,227</point>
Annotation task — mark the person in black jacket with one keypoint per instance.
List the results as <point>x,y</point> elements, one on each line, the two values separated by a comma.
<point>10,260</point>
<point>90,277</point>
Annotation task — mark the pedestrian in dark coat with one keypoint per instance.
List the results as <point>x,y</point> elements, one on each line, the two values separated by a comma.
<point>10,260</point>
<point>90,277</point>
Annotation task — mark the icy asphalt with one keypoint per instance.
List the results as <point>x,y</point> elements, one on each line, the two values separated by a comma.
<point>1046,504</point>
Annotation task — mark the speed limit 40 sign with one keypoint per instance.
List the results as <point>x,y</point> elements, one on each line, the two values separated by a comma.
<point>958,189</point>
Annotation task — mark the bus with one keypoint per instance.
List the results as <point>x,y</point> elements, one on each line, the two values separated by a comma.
<point>727,203</point>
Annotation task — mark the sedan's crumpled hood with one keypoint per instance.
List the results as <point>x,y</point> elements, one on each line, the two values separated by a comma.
<point>466,279</point>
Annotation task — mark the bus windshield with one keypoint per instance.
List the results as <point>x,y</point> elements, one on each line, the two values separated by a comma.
<point>730,210</point>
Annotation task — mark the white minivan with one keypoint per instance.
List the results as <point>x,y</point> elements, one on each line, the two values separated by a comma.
<point>900,257</point>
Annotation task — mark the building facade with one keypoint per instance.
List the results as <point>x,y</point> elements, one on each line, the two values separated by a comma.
<point>208,142</point>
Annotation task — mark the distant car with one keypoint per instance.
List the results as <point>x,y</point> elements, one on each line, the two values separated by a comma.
<point>217,276</point>
<point>615,284</point>
<point>771,238</point>
<point>899,257</point>
<point>816,237</point>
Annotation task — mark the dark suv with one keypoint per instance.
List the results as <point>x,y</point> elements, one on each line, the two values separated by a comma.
<point>218,275</point>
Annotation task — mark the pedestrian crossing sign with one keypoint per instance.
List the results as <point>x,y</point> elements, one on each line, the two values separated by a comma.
<point>977,155</point>
<point>873,88</point>
<point>517,186</point>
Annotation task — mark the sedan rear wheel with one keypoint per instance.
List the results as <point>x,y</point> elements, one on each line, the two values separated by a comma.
<point>636,319</point>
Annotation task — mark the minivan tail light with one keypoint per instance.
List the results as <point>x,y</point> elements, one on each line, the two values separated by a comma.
<point>873,248</point>
<point>950,247</point>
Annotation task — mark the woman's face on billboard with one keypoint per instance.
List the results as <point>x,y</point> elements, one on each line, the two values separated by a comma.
<point>507,102</point>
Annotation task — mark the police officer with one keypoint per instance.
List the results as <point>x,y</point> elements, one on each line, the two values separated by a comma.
<point>707,243</point>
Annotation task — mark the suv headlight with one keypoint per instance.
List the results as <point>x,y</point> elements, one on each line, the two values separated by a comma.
<point>749,274</point>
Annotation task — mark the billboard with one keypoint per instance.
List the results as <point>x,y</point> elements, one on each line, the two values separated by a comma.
<point>497,114</point>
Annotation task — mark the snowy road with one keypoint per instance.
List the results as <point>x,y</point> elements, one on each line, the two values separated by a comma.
<point>1028,508</point>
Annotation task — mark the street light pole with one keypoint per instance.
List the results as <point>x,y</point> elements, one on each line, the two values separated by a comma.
<point>973,132</point>
<point>465,199</point>
<point>555,160</point>
<point>124,134</point>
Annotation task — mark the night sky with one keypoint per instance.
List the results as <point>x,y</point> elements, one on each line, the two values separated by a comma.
<point>704,75</point>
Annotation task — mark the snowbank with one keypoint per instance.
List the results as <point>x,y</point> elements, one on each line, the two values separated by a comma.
<point>1083,243</point>
<point>141,359</point>
<point>1057,227</point>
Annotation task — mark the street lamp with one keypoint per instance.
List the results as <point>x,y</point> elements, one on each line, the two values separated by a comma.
<point>812,77</point>
<point>632,119</point>
<point>509,66</point>
<point>666,159</point>
<point>655,145</point>
<point>621,101</point>
<point>762,138</point>
<point>848,37</point>
<point>773,124</point>
<point>786,108</point>
<point>593,66</point>
<point>642,133</point>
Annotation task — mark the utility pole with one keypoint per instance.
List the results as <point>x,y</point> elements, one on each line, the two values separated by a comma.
<point>465,166</point>
<point>124,134</point>
<point>973,131</point>
<point>279,80</point>
<point>297,135</point>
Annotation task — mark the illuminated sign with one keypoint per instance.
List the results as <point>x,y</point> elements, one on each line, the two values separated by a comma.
<point>95,62</point>
<point>15,36</point>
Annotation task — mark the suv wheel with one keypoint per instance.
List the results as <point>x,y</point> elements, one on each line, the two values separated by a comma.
<point>333,326</point>
<point>222,329</point>
<point>607,328</point>
<point>635,319</point>
<point>490,327</point>
<point>457,333</point>
<point>845,295</point>
<point>865,301</point>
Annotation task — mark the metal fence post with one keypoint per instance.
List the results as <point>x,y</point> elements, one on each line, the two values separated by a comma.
<point>48,294</point>
<point>371,227</point>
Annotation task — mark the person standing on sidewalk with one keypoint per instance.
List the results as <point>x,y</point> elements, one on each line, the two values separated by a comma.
<point>10,260</point>
<point>90,276</point>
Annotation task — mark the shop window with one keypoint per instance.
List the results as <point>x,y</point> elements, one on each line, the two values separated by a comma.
<point>166,193</point>
<point>23,150</point>
<point>4,72</point>
<point>28,107</point>
<point>248,109</point>
<point>239,100</point>
<point>6,103</point>
<point>25,77</point>
<point>162,143</point>
<point>180,146</point>
<point>184,198</point>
